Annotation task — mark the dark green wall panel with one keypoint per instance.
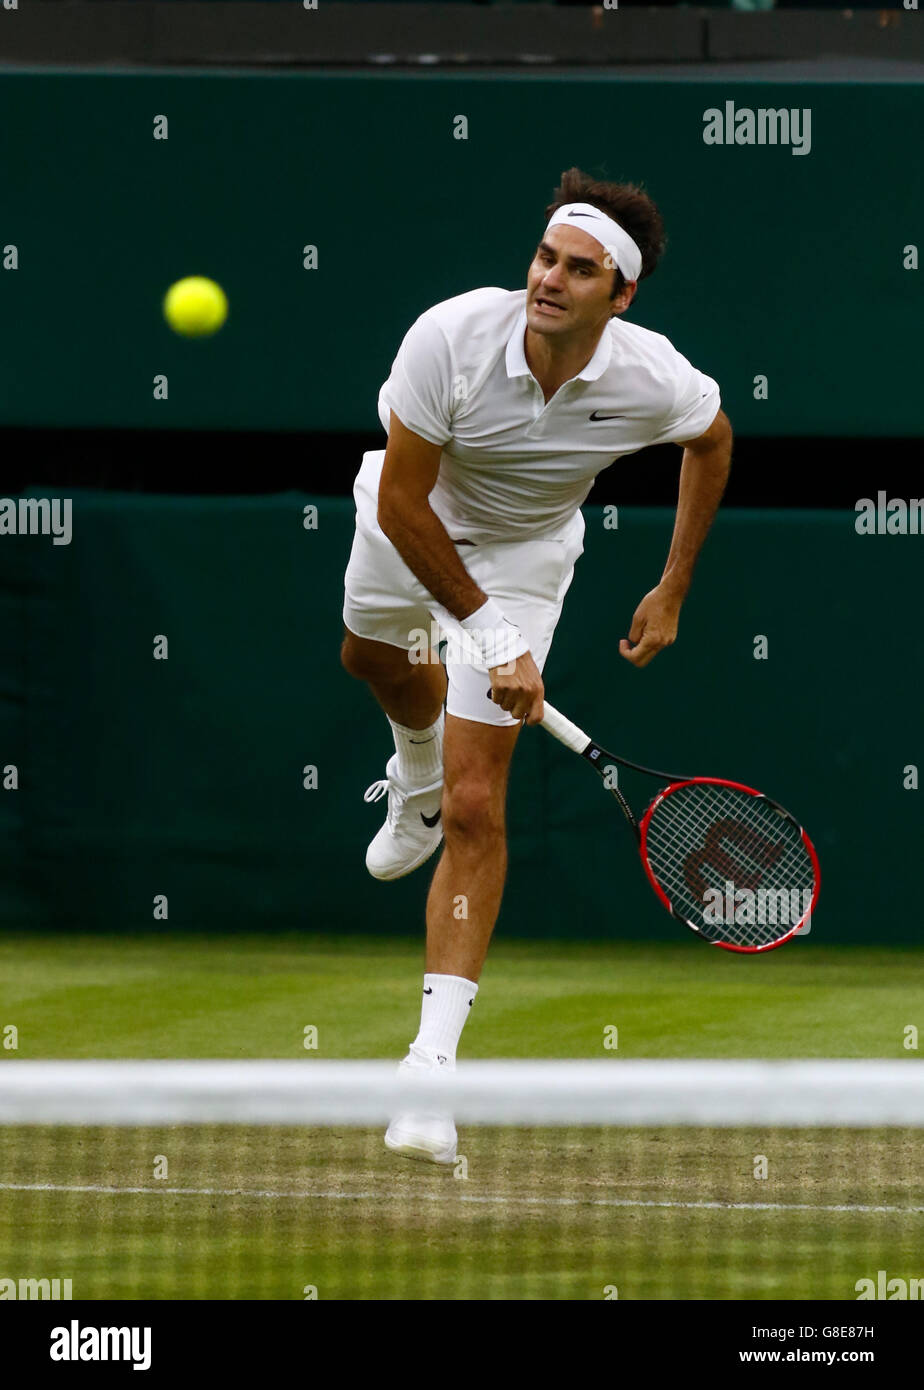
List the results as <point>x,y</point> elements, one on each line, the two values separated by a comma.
<point>141,777</point>
<point>783,265</point>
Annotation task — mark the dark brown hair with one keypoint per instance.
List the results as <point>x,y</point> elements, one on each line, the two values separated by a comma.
<point>627,204</point>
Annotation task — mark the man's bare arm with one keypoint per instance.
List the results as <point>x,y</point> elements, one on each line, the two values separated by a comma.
<point>703,475</point>
<point>410,523</point>
<point>420,538</point>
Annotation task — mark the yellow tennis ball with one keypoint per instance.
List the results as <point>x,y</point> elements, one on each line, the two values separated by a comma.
<point>195,307</point>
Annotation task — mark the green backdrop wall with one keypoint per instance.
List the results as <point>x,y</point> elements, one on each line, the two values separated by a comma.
<point>183,776</point>
<point>782,265</point>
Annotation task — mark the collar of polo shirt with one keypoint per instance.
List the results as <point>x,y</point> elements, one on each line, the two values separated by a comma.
<point>517,364</point>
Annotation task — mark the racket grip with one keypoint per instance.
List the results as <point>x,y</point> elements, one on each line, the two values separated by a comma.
<point>561,728</point>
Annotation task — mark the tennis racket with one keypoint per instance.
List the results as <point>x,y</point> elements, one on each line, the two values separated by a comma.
<point>723,858</point>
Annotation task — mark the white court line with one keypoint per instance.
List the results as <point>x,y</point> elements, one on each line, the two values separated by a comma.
<point>460,1197</point>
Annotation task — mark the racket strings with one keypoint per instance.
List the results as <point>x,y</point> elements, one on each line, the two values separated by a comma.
<point>731,863</point>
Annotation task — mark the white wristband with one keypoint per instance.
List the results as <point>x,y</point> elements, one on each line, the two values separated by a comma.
<point>497,641</point>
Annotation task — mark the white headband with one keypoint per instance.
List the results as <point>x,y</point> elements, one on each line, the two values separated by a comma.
<point>615,239</point>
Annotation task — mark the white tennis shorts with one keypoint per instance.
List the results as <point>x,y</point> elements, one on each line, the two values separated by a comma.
<point>387,603</point>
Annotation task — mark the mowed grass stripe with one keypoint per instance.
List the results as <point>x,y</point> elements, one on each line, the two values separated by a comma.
<point>153,996</point>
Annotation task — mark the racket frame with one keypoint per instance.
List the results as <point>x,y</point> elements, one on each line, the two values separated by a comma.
<point>601,758</point>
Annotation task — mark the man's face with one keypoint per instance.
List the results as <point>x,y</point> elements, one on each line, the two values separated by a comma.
<point>569,283</point>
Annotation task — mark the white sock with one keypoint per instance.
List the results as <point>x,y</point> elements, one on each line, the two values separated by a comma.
<point>446,1003</point>
<point>420,753</point>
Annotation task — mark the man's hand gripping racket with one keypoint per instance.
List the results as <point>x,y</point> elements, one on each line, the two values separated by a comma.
<point>722,857</point>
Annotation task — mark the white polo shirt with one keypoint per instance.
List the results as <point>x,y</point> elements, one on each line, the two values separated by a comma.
<point>513,467</point>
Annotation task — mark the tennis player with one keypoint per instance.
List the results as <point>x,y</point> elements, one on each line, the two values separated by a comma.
<point>501,408</point>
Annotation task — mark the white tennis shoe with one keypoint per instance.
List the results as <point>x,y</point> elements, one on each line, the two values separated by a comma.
<point>428,1134</point>
<point>412,829</point>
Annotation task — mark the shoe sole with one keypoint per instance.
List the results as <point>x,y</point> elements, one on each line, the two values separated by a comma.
<point>407,1149</point>
<point>390,878</point>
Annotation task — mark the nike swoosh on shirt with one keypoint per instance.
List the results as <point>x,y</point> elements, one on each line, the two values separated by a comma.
<point>597,416</point>
<point>430,821</point>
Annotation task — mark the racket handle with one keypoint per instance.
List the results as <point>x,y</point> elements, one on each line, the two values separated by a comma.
<point>561,728</point>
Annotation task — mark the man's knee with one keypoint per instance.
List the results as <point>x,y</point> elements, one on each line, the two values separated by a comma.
<point>369,661</point>
<point>473,810</point>
<point>351,657</point>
